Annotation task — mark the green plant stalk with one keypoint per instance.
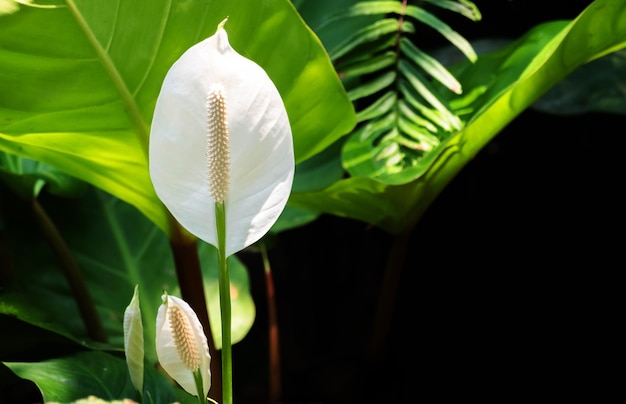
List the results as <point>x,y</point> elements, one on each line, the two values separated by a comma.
<point>225,309</point>
<point>72,273</point>
<point>197,376</point>
<point>189,275</point>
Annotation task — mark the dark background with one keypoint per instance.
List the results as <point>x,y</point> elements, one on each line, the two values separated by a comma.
<point>507,292</point>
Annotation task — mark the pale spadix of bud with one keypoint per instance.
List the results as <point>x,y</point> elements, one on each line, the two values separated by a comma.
<point>133,341</point>
<point>181,345</point>
<point>260,144</point>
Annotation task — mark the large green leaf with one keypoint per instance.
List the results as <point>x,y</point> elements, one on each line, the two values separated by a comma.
<point>497,88</point>
<point>116,248</point>
<point>80,80</point>
<point>68,379</point>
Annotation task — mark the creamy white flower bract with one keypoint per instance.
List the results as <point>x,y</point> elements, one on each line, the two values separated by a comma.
<point>180,341</point>
<point>133,341</point>
<point>261,146</point>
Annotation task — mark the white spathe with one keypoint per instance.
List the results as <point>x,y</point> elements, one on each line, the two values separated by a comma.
<point>133,341</point>
<point>261,144</point>
<point>168,353</point>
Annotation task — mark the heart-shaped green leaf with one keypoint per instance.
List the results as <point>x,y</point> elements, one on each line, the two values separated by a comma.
<point>93,373</point>
<point>81,78</point>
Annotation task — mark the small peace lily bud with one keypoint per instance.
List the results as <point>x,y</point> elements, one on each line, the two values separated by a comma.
<point>220,133</point>
<point>181,345</point>
<point>133,341</point>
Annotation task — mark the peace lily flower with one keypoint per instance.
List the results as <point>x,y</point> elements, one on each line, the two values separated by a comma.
<point>133,341</point>
<point>182,347</point>
<point>220,134</point>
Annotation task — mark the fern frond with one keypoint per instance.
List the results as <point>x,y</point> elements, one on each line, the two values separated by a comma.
<point>430,65</point>
<point>368,66</point>
<point>379,107</point>
<point>363,9</point>
<point>373,86</point>
<point>368,34</point>
<point>463,7</point>
<point>403,118</point>
<point>444,29</point>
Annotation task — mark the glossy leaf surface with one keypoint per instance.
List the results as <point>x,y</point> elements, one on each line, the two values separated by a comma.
<point>68,379</point>
<point>81,80</point>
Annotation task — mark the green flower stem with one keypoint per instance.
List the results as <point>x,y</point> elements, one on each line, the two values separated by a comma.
<point>197,376</point>
<point>72,273</point>
<point>189,274</point>
<point>225,310</point>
